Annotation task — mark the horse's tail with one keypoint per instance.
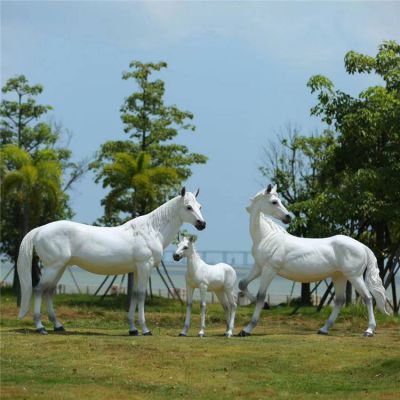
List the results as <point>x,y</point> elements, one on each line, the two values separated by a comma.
<point>374,282</point>
<point>24,267</point>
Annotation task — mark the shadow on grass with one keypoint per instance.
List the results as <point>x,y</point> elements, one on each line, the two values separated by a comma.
<point>26,331</point>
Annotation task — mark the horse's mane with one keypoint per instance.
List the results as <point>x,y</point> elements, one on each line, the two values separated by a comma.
<point>272,224</point>
<point>156,218</point>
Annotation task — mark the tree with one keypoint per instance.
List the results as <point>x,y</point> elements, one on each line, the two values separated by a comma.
<point>34,184</point>
<point>35,172</point>
<point>151,127</point>
<point>364,167</point>
<point>135,183</point>
<point>351,173</point>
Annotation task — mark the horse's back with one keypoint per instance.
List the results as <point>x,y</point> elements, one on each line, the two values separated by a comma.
<point>98,249</point>
<point>309,260</point>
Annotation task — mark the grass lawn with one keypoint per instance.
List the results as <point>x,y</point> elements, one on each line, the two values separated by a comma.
<point>284,359</point>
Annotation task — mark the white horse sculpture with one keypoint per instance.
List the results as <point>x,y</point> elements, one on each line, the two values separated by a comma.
<point>219,278</point>
<point>308,260</point>
<point>135,246</point>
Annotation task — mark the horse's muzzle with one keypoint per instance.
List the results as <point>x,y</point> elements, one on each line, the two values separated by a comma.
<point>288,219</point>
<point>176,257</point>
<point>200,225</point>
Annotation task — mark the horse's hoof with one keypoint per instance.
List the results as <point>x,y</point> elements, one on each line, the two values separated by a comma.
<point>182,335</point>
<point>148,333</point>
<point>42,331</point>
<point>243,333</point>
<point>368,334</point>
<point>228,335</point>
<point>201,335</point>
<point>59,329</point>
<point>320,332</point>
<point>134,333</point>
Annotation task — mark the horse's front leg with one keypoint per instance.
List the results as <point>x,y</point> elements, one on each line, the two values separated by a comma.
<point>267,275</point>
<point>189,291</point>
<point>203,294</point>
<point>253,274</point>
<point>132,307</point>
<point>143,274</point>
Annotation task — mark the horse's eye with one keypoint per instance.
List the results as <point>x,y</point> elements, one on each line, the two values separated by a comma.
<point>274,202</point>
<point>185,248</point>
<point>189,208</point>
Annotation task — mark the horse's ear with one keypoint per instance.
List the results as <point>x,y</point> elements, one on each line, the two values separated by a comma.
<point>268,189</point>
<point>183,191</point>
<point>178,236</point>
<point>197,192</point>
<point>274,189</point>
<point>192,238</point>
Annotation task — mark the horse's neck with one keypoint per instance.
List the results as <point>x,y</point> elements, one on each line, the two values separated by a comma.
<point>262,228</point>
<point>193,260</point>
<point>165,221</point>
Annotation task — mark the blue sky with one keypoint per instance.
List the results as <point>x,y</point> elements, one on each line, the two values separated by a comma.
<point>240,67</point>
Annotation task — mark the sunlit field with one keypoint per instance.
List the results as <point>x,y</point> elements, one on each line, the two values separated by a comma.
<point>284,359</point>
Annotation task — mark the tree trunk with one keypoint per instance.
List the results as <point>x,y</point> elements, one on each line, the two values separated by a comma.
<point>380,244</point>
<point>349,291</point>
<point>305,294</point>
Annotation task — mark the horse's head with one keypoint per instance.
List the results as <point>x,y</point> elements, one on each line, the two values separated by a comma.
<point>184,245</point>
<point>270,204</point>
<point>190,209</point>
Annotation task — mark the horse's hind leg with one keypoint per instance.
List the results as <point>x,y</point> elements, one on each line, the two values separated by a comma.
<point>232,311</point>
<point>340,298</point>
<point>224,303</point>
<point>48,280</point>
<point>359,285</point>
<point>58,326</point>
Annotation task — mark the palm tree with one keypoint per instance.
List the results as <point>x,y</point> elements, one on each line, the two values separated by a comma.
<point>30,192</point>
<point>137,186</point>
<point>32,183</point>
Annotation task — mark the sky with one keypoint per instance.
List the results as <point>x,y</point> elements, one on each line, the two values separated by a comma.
<point>240,67</point>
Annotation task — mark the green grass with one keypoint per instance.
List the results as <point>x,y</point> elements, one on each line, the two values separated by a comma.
<point>284,359</point>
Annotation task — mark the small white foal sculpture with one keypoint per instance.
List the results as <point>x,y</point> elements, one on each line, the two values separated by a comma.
<point>219,278</point>
<point>136,246</point>
<point>276,252</point>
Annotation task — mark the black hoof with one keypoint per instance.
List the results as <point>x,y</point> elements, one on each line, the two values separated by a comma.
<point>42,331</point>
<point>182,335</point>
<point>322,333</point>
<point>134,333</point>
<point>59,329</point>
<point>243,333</point>
<point>148,333</point>
<point>368,334</point>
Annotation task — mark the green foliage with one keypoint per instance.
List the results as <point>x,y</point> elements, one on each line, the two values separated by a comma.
<point>363,172</point>
<point>35,172</point>
<point>33,183</point>
<point>147,169</point>
<point>347,180</point>
<point>136,184</point>
<point>295,163</point>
